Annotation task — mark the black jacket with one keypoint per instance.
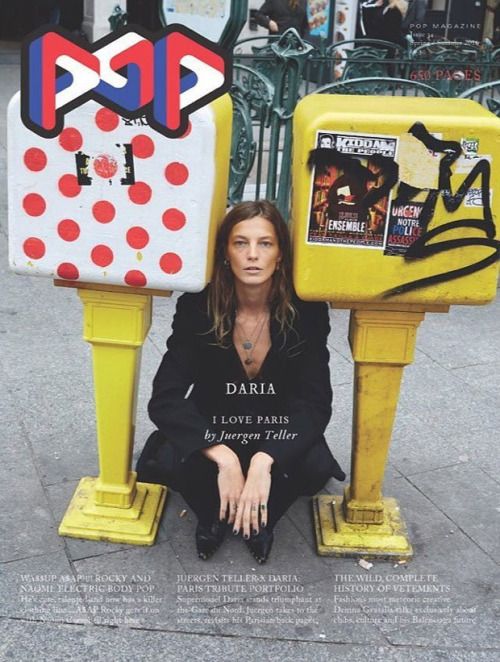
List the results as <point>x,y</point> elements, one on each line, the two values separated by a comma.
<point>382,23</point>
<point>296,366</point>
<point>279,11</point>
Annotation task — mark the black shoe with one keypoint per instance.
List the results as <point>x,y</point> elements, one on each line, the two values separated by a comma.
<point>260,545</point>
<point>209,538</point>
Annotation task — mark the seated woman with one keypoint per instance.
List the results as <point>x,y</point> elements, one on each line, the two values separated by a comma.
<point>242,396</point>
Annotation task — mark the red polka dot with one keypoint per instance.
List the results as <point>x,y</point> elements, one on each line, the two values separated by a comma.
<point>137,237</point>
<point>142,146</point>
<point>101,255</point>
<point>173,219</point>
<point>34,204</point>
<point>106,119</point>
<point>135,278</point>
<point>35,159</point>
<point>105,166</point>
<point>68,230</point>
<point>176,173</point>
<point>170,263</point>
<point>140,193</point>
<point>69,186</point>
<point>103,211</point>
<point>34,248</point>
<point>70,139</point>
<point>187,131</point>
<point>68,271</point>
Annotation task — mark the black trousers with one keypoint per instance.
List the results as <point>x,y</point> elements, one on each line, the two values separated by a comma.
<point>196,478</point>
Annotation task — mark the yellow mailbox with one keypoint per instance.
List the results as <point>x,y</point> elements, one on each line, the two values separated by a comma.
<point>393,215</point>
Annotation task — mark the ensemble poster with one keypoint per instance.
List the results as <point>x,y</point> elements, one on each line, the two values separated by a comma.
<point>338,213</point>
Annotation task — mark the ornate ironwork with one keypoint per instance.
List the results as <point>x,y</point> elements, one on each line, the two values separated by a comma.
<point>380,86</point>
<point>487,94</point>
<point>450,68</point>
<point>278,70</point>
<point>243,146</point>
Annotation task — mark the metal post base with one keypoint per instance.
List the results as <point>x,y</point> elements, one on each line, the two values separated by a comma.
<point>137,525</point>
<point>337,537</point>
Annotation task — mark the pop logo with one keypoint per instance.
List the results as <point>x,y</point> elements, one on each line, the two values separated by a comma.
<point>165,79</point>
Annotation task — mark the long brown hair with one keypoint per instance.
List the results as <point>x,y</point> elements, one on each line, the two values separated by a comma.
<point>222,301</point>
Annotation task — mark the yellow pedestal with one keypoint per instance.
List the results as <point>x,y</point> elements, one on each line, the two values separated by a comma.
<point>137,525</point>
<point>114,507</point>
<point>362,522</point>
<point>337,537</point>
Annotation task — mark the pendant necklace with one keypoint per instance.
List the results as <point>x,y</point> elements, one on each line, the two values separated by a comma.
<point>248,344</point>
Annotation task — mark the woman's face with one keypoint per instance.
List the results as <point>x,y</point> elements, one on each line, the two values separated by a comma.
<point>253,251</point>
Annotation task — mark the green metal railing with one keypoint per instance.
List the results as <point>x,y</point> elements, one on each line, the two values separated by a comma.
<point>275,72</point>
<point>271,74</point>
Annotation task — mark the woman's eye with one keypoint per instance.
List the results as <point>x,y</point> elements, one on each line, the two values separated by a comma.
<point>239,242</point>
<point>266,243</point>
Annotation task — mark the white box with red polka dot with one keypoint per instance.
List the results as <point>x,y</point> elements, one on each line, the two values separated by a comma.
<point>112,201</point>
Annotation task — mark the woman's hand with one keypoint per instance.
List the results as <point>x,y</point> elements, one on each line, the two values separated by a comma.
<point>230,480</point>
<point>273,26</point>
<point>252,505</point>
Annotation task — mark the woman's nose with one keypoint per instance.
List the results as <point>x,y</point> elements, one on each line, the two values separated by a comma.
<point>253,252</point>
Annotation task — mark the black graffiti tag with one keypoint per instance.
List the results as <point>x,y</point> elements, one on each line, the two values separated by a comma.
<point>420,248</point>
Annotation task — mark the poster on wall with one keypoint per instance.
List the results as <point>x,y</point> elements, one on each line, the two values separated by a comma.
<point>207,17</point>
<point>404,227</point>
<point>350,166</point>
<point>345,20</point>
<point>318,15</point>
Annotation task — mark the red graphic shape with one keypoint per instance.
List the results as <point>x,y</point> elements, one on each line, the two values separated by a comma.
<point>187,131</point>
<point>34,204</point>
<point>68,230</point>
<point>70,139</point>
<point>101,255</point>
<point>35,159</point>
<point>103,211</point>
<point>135,278</point>
<point>173,219</point>
<point>142,146</point>
<point>105,166</point>
<point>170,263</point>
<point>106,119</point>
<point>34,248</point>
<point>69,186</point>
<point>140,193</point>
<point>68,271</point>
<point>177,47</point>
<point>176,173</point>
<point>137,237</point>
<point>54,46</point>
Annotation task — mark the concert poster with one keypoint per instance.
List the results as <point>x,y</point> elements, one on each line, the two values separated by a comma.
<point>338,213</point>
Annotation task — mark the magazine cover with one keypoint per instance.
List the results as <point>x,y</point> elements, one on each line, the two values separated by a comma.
<point>172,410</point>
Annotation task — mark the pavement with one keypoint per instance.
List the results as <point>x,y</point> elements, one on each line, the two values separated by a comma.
<point>65,598</point>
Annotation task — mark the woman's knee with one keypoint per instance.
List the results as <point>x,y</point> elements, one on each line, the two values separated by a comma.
<point>159,463</point>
